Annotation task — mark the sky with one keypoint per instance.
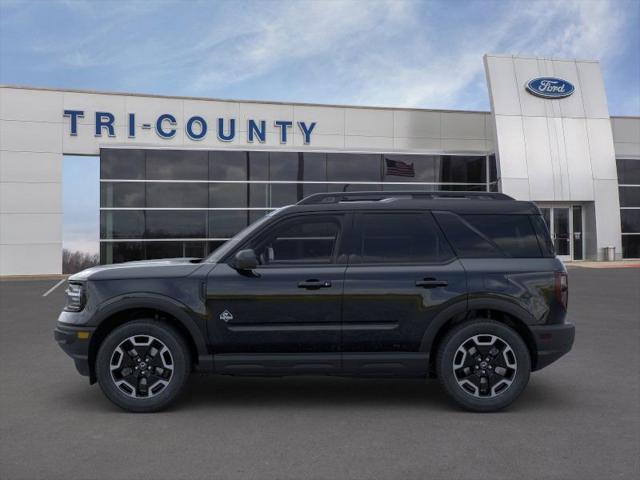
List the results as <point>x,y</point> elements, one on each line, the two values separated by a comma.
<point>382,53</point>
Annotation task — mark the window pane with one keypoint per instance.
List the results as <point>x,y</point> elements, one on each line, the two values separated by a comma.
<point>315,167</point>
<point>464,169</point>
<point>117,252</point>
<point>493,168</point>
<point>285,194</point>
<point>163,250</point>
<point>258,195</point>
<point>344,167</point>
<point>119,195</point>
<point>177,165</point>
<point>397,238</point>
<point>513,234</point>
<point>226,223</point>
<point>125,164</point>
<point>285,166</point>
<point>631,246</point>
<point>630,221</point>
<point>177,195</point>
<point>466,242</point>
<point>121,224</point>
<point>176,224</point>
<point>628,171</point>
<point>228,195</point>
<point>301,240</point>
<point>541,226</point>
<point>226,165</point>
<point>258,166</point>
<point>411,168</point>
<point>629,196</point>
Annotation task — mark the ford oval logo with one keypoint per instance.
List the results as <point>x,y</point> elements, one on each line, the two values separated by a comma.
<point>550,87</point>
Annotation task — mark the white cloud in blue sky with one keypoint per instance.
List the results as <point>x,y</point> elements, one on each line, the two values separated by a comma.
<point>416,54</point>
<point>389,53</point>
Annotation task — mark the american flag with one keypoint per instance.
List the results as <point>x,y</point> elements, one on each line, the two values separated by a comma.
<point>399,168</point>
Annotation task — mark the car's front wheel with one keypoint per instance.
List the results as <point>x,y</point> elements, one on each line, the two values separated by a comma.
<point>483,365</point>
<point>142,365</point>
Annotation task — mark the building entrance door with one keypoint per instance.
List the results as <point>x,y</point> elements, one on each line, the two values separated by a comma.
<point>565,225</point>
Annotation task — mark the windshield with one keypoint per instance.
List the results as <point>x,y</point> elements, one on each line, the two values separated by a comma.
<point>238,238</point>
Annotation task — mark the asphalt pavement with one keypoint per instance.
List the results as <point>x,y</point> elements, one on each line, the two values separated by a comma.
<point>578,419</point>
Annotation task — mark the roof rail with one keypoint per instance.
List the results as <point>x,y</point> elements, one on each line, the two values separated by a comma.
<point>378,196</point>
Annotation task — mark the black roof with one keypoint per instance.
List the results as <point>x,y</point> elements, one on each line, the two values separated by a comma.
<point>459,202</point>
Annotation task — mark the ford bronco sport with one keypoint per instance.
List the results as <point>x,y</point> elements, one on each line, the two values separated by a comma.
<point>461,286</point>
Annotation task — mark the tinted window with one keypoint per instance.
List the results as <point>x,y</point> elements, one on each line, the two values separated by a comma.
<point>628,171</point>
<point>177,195</point>
<point>174,249</point>
<point>258,166</point>
<point>226,223</point>
<point>121,224</point>
<point>177,165</point>
<point>117,252</point>
<point>630,221</point>
<point>631,246</point>
<point>130,195</point>
<point>224,165</point>
<point>285,166</point>
<point>466,241</point>
<point>314,167</point>
<point>176,224</point>
<point>541,226</point>
<point>344,167</point>
<point>629,196</point>
<point>513,234</point>
<point>228,195</point>
<point>401,238</point>
<point>463,169</point>
<point>122,164</point>
<point>305,240</point>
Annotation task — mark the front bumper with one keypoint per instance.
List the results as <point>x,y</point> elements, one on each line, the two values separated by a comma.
<point>75,341</point>
<point>552,342</point>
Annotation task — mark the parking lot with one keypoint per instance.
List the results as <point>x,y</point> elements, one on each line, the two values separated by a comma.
<point>579,418</point>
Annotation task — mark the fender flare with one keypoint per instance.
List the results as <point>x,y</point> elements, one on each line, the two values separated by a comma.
<point>178,310</point>
<point>502,304</point>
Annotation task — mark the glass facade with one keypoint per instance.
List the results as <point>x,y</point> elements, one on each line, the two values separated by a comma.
<point>629,191</point>
<point>174,203</point>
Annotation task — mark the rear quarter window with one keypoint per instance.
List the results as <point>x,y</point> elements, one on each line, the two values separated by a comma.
<point>491,236</point>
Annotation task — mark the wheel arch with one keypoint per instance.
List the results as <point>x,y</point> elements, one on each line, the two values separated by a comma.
<point>123,310</point>
<point>498,309</point>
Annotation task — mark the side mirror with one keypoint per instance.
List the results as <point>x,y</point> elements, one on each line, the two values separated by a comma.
<point>245,260</point>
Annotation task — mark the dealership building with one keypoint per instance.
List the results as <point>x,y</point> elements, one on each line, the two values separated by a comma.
<point>179,176</point>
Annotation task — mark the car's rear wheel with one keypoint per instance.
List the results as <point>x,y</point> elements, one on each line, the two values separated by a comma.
<point>483,365</point>
<point>142,365</point>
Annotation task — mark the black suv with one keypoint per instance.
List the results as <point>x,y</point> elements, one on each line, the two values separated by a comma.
<point>461,286</point>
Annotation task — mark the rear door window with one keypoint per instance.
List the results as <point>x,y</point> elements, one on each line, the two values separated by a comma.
<point>412,238</point>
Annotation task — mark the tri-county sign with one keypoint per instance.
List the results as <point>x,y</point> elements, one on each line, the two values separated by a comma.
<point>196,127</point>
<point>550,87</point>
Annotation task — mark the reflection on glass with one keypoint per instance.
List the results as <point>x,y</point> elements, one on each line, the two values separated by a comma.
<point>176,224</point>
<point>285,166</point>
<point>177,165</point>
<point>121,224</point>
<point>177,195</point>
<point>128,195</point>
<point>226,223</point>
<point>343,167</point>
<point>125,164</point>
<point>225,165</point>
<point>561,236</point>
<point>228,195</point>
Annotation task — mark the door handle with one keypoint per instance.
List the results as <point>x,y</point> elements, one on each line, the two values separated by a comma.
<point>314,284</point>
<point>431,283</point>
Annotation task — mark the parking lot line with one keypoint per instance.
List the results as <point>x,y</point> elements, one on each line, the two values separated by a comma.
<point>54,287</point>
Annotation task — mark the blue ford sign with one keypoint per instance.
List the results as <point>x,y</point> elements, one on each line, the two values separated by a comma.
<point>550,87</point>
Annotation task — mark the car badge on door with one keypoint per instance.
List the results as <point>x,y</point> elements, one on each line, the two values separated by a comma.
<point>226,316</point>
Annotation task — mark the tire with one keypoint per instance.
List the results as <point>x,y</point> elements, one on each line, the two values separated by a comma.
<point>462,364</point>
<point>148,346</point>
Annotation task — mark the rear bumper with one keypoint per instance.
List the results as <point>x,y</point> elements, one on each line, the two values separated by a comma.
<point>552,342</point>
<point>74,341</point>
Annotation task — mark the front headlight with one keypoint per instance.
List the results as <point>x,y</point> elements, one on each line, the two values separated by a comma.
<point>75,297</point>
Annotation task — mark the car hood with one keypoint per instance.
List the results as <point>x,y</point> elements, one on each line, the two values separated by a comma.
<point>164,268</point>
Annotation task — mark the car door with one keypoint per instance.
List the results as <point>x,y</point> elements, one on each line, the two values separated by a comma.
<point>288,309</point>
<point>401,274</point>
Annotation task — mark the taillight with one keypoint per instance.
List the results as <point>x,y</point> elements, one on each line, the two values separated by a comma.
<point>562,289</point>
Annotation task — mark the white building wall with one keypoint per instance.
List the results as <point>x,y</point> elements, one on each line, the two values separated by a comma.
<point>34,135</point>
<point>558,150</point>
